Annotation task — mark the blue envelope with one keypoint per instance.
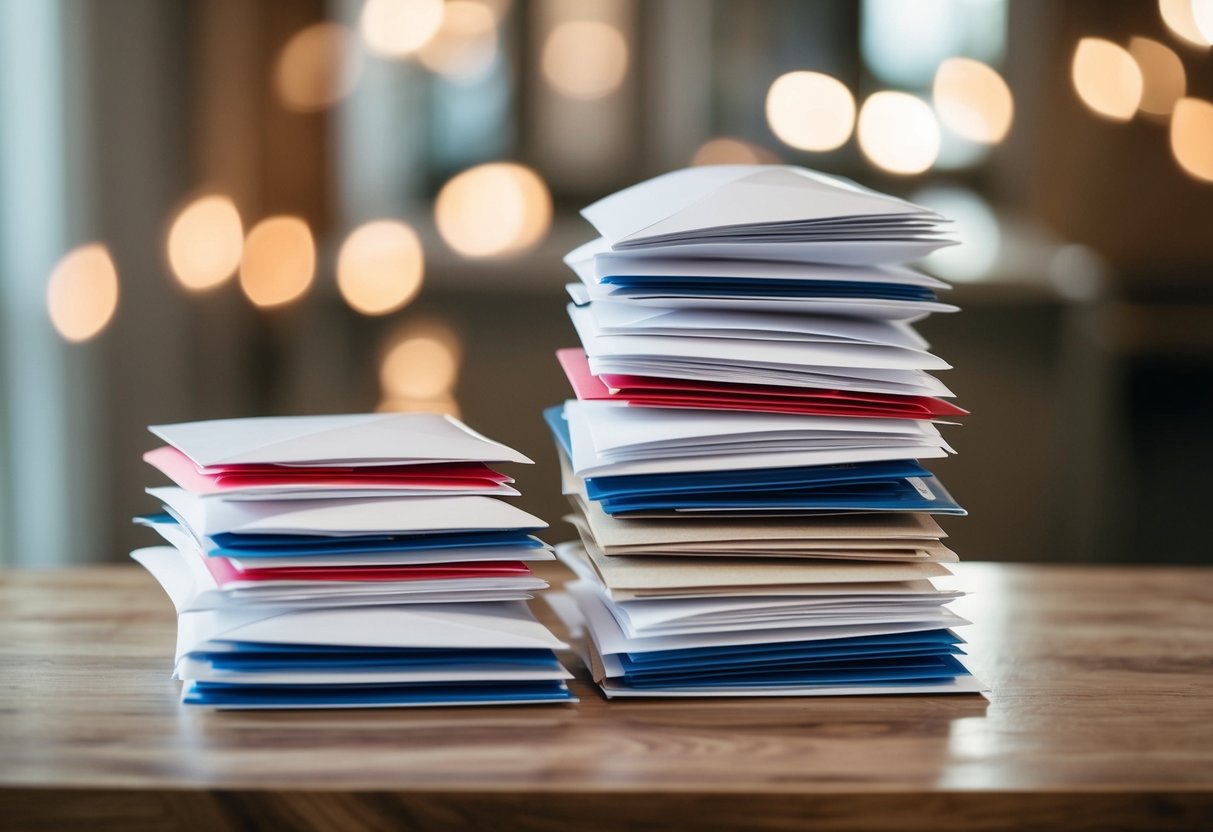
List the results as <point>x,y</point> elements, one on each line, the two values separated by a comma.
<point>223,695</point>
<point>922,494</point>
<point>794,649</point>
<point>729,287</point>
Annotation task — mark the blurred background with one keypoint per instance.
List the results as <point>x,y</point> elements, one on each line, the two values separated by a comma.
<point>215,208</point>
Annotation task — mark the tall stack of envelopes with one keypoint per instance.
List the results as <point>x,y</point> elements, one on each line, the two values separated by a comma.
<point>348,561</point>
<point>744,453</point>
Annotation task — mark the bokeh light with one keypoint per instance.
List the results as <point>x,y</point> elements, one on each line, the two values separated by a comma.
<point>1106,78</point>
<point>317,67</point>
<point>1202,16</point>
<point>1181,17</point>
<point>1162,74</point>
<point>442,404</point>
<point>1192,137</point>
<point>810,111</point>
<point>380,267</point>
<point>973,100</point>
<point>82,293</point>
<point>585,59</point>
<point>492,210</point>
<point>973,223</point>
<point>205,242</point>
<point>420,368</point>
<point>898,132</point>
<point>465,45</point>
<point>398,28</point>
<point>726,150</point>
<point>279,261</point>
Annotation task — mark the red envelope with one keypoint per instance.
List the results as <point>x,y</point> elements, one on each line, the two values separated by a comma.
<point>225,572</point>
<point>434,477</point>
<point>644,391</point>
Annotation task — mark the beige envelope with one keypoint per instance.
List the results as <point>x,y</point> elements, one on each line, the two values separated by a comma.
<point>853,550</point>
<point>611,532</point>
<point>728,574</point>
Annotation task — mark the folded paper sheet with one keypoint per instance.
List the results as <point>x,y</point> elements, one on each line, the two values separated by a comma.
<point>350,561</point>
<point>743,456</point>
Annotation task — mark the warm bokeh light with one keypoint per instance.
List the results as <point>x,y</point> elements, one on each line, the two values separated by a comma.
<point>466,44</point>
<point>380,267</point>
<point>398,28</point>
<point>205,242</point>
<point>1192,137</point>
<point>973,100</point>
<point>318,67</point>
<point>1162,74</point>
<point>82,293</point>
<point>279,261</point>
<point>898,132</point>
<point>810,111</point>
<point>726,150</point>
<point>492,210</point>
<point>1181,17</point>
<point>1106,78</point>
<point>1202,16</point>
<point>443,404</point>
<point>585,59</point>
<point>422,363</point>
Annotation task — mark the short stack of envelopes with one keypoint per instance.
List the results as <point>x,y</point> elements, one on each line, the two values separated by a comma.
<point>744,452</point>
<point>348,561</point>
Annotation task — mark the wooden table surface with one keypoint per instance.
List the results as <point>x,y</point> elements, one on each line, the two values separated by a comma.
<point>1101,717</point>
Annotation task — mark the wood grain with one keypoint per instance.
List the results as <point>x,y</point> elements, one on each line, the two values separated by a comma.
<point>1101,717</point>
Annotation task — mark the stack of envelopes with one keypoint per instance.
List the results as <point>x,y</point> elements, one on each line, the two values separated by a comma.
<point>744,452</point>
<point>348,561</point>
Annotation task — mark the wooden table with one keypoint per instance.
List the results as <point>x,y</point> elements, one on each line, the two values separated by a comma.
<point>1101,718</point>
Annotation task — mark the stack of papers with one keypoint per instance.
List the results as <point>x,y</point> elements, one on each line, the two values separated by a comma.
<point>744,453</point>
<point>348,561</point>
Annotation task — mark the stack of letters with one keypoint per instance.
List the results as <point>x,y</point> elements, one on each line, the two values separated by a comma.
<point>348,561</point>
<point>743,452</point>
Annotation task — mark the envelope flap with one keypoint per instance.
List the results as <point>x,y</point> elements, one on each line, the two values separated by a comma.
<point>372,438</point>
<point>771,195</point>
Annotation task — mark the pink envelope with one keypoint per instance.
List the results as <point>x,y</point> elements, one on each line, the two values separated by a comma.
<point>644,391</point>
<point>457,476</point>
<point>225,572</point>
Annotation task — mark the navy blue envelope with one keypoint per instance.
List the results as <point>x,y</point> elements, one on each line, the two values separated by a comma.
<point>730,287</point>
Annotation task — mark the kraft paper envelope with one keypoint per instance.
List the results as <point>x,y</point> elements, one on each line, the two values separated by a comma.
<point>613,532</point>
<point>652,573</point>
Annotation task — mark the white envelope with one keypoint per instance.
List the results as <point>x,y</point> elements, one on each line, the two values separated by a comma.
<point>608,636</point>
<point>791,355</point>
<point>348,440</point>
<point>208,516</point>
<point>191,587</point>
<point>595,260</point>
<point>178,536</point>
<point>193,670</point>
<point>502,625</point>
<point>893,310</point>
<point>588,420</point>
<point>765,202</point>
<point>613,318</point>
